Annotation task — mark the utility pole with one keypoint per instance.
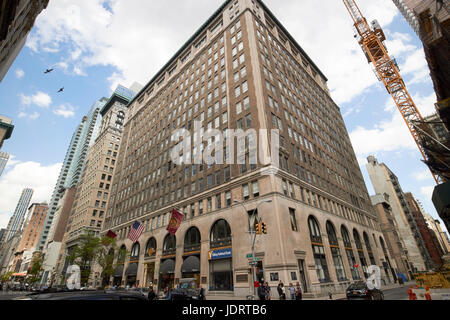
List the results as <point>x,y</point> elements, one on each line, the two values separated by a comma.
<point>253,240</point>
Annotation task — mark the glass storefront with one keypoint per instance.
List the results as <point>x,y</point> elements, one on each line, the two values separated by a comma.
<point>191,268</point>
<point>221,275</point>
<point>167,274</point>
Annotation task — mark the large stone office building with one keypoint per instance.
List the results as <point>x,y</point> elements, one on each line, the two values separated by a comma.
<point>242,70</point>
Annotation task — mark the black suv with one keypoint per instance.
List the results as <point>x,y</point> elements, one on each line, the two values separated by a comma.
<point>360,291</point>
<point>187,290</point>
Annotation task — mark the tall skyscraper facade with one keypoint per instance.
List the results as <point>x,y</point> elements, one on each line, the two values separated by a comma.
<point>95,183</point>
<point>391,233</point>
<point>242,70</point>
<point>385,181</point>
<point>431,242</point>
<point>16,222</point>
<point>30,236</point>
<point>4,157</point>
<point>73,163</point>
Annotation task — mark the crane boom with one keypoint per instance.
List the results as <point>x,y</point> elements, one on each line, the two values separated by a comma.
<point>371,41</point>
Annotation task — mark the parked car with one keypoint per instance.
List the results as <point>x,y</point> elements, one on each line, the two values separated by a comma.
<point>187,290</point>
<point>85,295</point>
<point>360,291</point>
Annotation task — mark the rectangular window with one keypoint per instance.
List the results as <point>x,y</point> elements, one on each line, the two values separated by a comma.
<point>227,174</point>
<point>245,192</point>
<point>228,198</point>
<point>255,189</point>
<point>218,201</point>
<point>293,220</point>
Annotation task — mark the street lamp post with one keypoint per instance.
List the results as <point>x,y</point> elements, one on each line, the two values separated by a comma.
<point>253,233</point>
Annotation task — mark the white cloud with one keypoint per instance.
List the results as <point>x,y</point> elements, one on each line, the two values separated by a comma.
<point>30,116</point>
<point>41,179</point>
<point>388,135</point>
<point>20,73</point>
<point>427,192</point>
<point>150,32</point>
<point>39,99</point>
<point>64,110</point>
<point>422,175</point>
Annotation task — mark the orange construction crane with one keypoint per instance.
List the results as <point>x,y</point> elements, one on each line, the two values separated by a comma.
<point>371,38</point>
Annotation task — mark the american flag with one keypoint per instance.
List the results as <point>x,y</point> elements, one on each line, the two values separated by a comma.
<point>136,231</point>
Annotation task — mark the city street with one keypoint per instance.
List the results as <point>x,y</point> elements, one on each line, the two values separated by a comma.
<point>400,293</point>
<point>12,294</point>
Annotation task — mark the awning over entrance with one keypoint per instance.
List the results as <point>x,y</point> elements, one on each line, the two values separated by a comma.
<point>119,272</point>
<point>132,270</point>
<point>167,266</point>
<point>191,264</point>
<point>23,274</point>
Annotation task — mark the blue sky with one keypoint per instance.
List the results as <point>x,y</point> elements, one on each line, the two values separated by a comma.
<point>94,44</point>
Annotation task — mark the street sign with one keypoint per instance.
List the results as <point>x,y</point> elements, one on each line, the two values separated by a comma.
<point>255,259</point>
<point>249,256</point>
<point>252,263</point>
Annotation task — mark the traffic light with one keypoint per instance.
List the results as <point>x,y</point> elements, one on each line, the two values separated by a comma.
<point>264,227</point>
<point>259,228</point>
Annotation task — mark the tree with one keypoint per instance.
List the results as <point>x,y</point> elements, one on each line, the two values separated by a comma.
<point>107,254</point>
<point>84,254</point>
<point>7,276</point>
<point>34,271</point>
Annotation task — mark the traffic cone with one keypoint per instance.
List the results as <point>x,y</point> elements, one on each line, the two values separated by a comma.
<point>428,295</point>
<point>411,294</point>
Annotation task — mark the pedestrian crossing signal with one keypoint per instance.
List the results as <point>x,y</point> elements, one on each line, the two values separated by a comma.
<point>259,228</point>
<point>264,228</point>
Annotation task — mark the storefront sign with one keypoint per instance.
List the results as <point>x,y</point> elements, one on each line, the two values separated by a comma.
<point>219,254</point>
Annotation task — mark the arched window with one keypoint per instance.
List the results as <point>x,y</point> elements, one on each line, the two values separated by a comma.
<point>366,240</point>
<point>318,250</point>
<point>220,234</point>
<point>357,239</point>
<point>135,251</point>
<point>314,230</point>
<point>331,232</point>
<point>362,257</point>
<point>369,248</point>
<point>150,248</point>
<point>349,252</point>
<point>170,245</point>
<point>346,237</point>
<point>122,254</point>
<point>335,252</point>
<point>383,246</point>
<point>192,240</point>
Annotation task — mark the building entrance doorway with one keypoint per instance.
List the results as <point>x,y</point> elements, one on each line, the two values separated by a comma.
<point>303,282</point>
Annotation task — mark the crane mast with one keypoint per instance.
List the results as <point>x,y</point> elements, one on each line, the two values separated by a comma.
<point>371,38</point>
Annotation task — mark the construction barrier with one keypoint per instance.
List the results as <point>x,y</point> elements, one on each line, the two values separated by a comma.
<point>430,294</point>
<point>433,279</point>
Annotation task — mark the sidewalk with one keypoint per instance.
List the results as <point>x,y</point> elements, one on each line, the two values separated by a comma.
<point>340,296</point>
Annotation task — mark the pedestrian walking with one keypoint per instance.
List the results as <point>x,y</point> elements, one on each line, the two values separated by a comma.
<point>280,290</point>
<point>292,291</point>
<point>298,292</point>
<point>268,291</point>
<point>151,294</point>
<point>167,293</point>
<point>261,291</point>
<point>201,294</point>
